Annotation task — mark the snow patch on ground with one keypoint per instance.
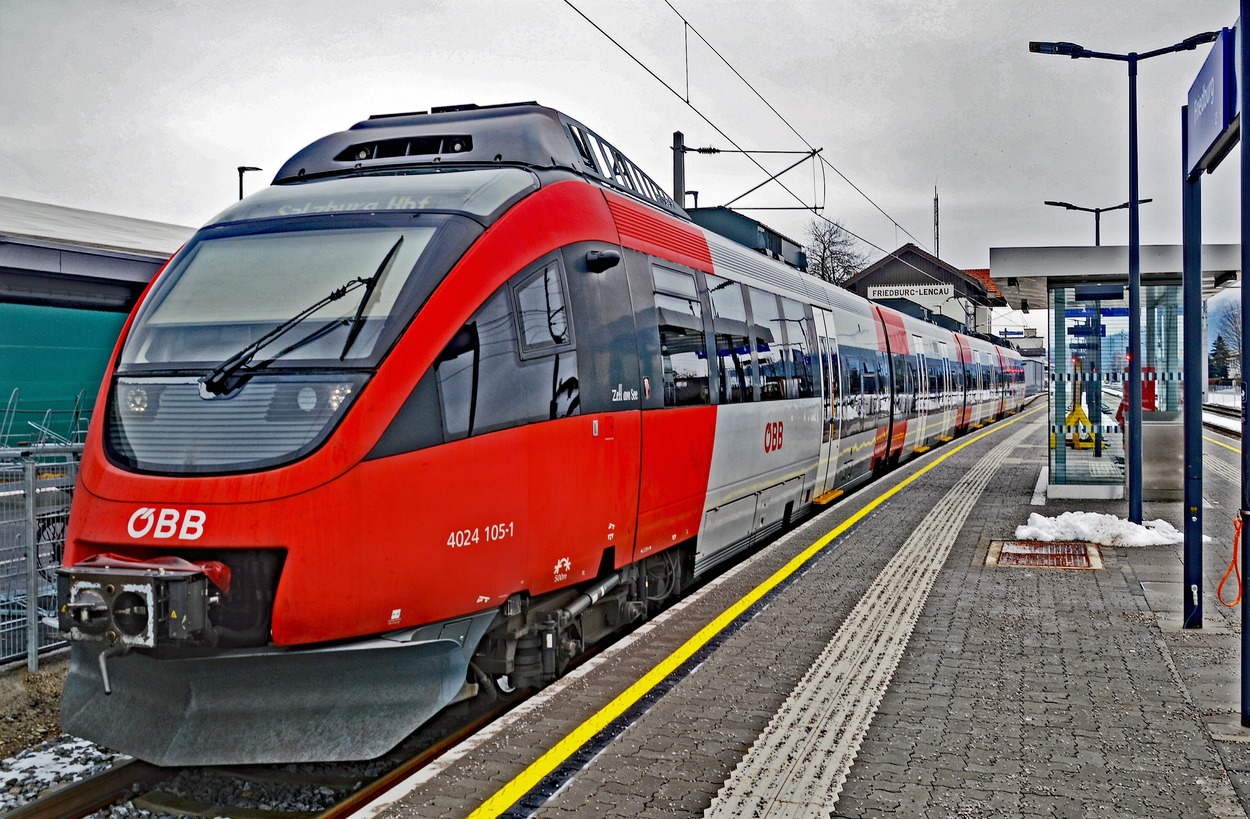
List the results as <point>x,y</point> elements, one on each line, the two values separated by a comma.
<point>1095,527</point>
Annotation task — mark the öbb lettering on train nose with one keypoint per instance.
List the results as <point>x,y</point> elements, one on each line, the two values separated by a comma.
<point>163,524</point>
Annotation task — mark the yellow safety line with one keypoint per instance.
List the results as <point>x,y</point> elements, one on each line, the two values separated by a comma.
<point>1221,443</point>
<point>538,770</point>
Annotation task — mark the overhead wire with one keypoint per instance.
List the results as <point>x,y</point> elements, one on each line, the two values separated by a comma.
<point>824,160</point>
<point>885,253</point>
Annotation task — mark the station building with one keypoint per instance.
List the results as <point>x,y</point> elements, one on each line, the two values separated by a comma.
<point>914,281</point>
<point>68,279</point>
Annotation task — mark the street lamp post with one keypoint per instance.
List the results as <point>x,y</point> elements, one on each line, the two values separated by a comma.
<point>1098,212</point>
<point>242,170</point>
<point>1134,242</point>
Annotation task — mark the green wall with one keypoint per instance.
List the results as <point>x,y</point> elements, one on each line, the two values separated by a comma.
<point>51,354</point>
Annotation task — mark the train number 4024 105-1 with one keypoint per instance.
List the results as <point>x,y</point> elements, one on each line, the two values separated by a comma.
<point>460,538</point>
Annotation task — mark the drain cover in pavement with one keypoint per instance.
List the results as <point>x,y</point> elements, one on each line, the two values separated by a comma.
<point>1061,554</point>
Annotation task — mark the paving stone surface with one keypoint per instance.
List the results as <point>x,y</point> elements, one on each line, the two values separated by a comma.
<point>1022,693</point>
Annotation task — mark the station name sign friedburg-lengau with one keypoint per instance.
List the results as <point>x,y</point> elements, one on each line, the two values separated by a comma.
<point>910,291</point>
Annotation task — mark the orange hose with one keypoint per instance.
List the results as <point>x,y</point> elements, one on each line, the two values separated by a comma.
<point>1232,567</point>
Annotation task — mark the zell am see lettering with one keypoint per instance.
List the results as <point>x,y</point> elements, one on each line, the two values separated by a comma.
<point>910,291</point>
<point>619,393</point>
<point>332,206</point>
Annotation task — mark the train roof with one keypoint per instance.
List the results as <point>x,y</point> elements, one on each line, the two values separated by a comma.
<point>523,133</point>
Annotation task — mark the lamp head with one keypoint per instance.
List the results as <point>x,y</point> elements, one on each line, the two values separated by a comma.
<point>1064,49</point>
<point>1190,43</point>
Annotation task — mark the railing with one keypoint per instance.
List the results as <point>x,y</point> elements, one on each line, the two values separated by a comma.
<point>36,486</point>
<point>1224,395</point>
<point>65,423</point>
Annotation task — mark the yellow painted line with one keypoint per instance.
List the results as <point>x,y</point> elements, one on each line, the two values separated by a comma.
<point>1218,442</point>
<point>538,770</point>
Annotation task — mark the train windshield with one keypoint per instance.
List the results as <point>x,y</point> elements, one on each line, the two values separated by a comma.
<point>231,292</point>
<point>269,258</point>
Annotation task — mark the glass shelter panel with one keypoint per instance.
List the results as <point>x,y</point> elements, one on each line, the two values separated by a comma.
<point>1089,361</point>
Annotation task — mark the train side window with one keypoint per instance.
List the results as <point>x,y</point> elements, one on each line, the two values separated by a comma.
<point>798,350</point>
<point>683,346</point>
<point>541,311</point>
<point>769,342</point>
<point>483,381</point>
<point>732,336</point>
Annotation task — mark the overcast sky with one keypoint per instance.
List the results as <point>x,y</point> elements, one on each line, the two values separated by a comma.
<point>145,108</point>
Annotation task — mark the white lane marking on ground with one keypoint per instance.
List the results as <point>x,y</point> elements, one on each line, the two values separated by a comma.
<point>1039,491</point>
<point>799,764</point>
<point>1222,469</point>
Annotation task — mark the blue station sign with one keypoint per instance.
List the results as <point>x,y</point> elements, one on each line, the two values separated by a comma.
<point>1213,106</point>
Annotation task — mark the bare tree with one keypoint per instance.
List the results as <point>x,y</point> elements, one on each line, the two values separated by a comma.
<point>832,253</point>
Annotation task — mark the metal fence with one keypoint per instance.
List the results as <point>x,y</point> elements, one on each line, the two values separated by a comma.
<point>36,486</point>
<point>65,422</point>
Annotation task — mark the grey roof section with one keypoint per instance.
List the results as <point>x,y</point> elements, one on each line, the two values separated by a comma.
<point>46,224</point>
<point>1022,273</point>
<point>68,257</point>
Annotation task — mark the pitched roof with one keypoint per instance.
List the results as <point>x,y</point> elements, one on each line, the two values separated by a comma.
<point>982,274</point>
<point>927,266</point>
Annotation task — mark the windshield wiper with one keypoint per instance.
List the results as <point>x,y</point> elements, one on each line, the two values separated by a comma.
<point>219,382</point>
<point>357,322</point>
<point>222,379</point>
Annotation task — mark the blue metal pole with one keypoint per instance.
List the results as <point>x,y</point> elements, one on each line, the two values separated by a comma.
<point>1244,92</point>
<point>1133,439</point>
<point>1191,200</point>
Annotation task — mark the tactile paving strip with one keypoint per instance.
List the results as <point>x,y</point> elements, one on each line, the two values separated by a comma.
<point>799,764</point>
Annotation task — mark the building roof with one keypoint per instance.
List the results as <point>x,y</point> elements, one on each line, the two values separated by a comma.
<point>43,224</point>
<point>982,274</point>
<point>912,264</point>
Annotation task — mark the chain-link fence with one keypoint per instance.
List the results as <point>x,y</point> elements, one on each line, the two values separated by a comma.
<point>36,486</point>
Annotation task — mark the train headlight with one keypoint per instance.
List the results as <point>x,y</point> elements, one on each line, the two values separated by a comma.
<point>339,394</point>
<point>136,400</point>
<point>307,399</point>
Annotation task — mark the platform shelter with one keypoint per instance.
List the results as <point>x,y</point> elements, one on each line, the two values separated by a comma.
<point>1085,290</point>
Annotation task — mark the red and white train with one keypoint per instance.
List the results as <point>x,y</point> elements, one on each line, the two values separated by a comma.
<point>459,394</point>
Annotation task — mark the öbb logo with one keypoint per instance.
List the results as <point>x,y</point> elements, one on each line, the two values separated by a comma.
<point>774,434</point>
<point>164,523</point>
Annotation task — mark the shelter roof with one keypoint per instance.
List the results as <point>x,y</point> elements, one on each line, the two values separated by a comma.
<point>45,224</point>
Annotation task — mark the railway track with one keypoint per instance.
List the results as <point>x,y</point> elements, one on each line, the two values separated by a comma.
<point>1222,411</point>
<point>182,791</point>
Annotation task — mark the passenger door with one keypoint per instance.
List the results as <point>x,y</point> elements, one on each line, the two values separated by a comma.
<point>826,476</point>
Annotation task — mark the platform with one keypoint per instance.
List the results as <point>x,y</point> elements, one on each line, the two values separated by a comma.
<point>870,663</point>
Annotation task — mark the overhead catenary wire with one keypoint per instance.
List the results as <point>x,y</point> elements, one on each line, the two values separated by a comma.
<point>824,160</point>
<point>885,253</point>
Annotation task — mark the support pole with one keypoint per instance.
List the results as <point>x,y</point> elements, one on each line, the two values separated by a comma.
<point>1244,93</point>
<point>29,478</point>
<point>679,169</point>
<point>1191,200</point>
<point>1133,439</point>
